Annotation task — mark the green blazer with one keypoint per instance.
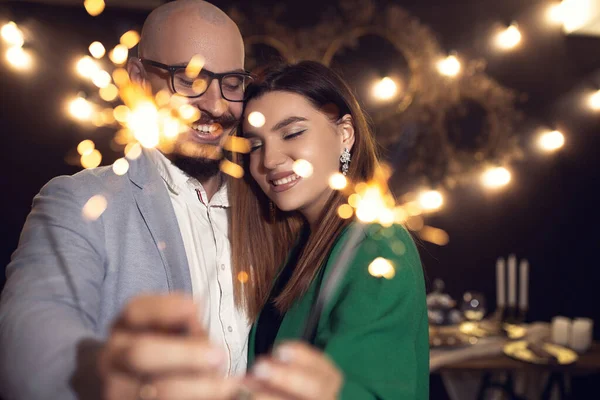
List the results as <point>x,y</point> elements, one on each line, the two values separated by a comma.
<point>374,329</point>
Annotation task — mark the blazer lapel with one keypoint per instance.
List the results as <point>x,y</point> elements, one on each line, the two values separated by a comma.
<point>154,204</point>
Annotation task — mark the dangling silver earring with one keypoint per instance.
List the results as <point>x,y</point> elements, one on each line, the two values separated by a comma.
<point>345,161</point>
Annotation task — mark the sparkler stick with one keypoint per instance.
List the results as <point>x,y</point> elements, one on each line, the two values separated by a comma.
<point>337,274</point>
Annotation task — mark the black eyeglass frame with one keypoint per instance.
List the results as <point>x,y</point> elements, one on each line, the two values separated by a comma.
<point>173,69</point>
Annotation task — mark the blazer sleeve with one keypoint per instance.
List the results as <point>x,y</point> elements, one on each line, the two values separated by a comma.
<point>44,328</point>
<point>377,332</point>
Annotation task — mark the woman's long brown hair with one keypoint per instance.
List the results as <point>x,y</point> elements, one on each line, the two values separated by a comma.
<point>261,243</point>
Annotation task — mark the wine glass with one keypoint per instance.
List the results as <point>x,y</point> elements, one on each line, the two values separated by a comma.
<point>473,306</point>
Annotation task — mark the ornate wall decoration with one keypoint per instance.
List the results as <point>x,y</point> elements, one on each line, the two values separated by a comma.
<point>416,128</point>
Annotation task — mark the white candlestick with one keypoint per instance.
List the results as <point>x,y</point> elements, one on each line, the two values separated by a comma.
<point>523,284</point>
<point>581,334</point>
<point>561,330</point>
<point>512,281</point>
<point>500,283</point>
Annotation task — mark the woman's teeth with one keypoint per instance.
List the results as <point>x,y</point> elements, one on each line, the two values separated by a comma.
<point>285,180</point>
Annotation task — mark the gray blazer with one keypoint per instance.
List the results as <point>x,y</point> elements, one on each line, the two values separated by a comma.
<point>47,333</point>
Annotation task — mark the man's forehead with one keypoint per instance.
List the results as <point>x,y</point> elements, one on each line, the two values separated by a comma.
<point>178,43</point>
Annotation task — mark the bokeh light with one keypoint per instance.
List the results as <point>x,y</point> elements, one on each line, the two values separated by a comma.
<point>449,66</point>
<point>85,147</point>
<point>94,207</point>
<point>94,7</point>
<point>80,109</point>
<point>381,267</point>
<point>97,49</point>
<point>431,200</point>
<point>338,181</point>
<point>130,39</point>
<point>120,166</point>
<point>256,119</point>
<point>302,168</point>
<point>551,141</point>
<point>509,38</point>
<point>496,177</point>
<point>19,58</point>
<point>385,89</point>
<point>91,160</point>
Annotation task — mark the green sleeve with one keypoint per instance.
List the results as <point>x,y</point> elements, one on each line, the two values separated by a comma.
<point>376,330</point>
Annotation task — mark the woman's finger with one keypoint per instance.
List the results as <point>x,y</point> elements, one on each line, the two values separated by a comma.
<point>297,381</point>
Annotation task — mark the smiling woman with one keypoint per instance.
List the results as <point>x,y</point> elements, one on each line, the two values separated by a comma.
<point>309,117</point>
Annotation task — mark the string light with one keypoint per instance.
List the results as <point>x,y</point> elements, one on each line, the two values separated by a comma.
<point>385,89</point>
<point>12,35</point>
<point>594,101</point>
<point>551,141</point>
<point>449,66</point>
<point>509,38</point>
<point>496,177</point>
<point>555,13</point>
<point>19,58</point>
<point>576,14</point>
<point>381,267</point>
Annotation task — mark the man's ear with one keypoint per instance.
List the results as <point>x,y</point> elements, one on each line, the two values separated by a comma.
<point>136,71</point>
<point>346,130</point>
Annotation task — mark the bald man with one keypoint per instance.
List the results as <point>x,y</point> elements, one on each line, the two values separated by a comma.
<point>164,231</point>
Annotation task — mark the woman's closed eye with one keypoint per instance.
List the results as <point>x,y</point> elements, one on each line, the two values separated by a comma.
<point>293,135</point>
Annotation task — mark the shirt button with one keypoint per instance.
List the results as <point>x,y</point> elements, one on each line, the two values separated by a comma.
<point>223,267</point>
<point>230,329</point>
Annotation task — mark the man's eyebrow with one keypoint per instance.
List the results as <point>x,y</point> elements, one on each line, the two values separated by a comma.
<point>287,121</point>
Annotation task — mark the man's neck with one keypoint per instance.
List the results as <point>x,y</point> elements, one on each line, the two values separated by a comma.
<point>211,185</point>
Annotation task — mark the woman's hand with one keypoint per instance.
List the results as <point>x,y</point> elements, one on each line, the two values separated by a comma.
<point>295,370</point>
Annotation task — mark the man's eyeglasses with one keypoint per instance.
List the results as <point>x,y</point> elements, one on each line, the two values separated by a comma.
<point>233,84</point>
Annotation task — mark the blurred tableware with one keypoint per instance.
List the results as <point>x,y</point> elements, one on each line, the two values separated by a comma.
<point>540,353</point>
<point>561,330</point>
<point>473,306</point>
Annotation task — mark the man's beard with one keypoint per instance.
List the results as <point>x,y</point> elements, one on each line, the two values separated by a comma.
<point>199,168</point>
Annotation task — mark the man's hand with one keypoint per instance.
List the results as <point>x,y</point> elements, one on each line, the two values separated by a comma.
<point>158,350</point>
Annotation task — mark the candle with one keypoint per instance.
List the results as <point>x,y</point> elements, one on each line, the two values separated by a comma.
<point>561,330</point>
<point>581,334</point>
<point>500,283</point>
<point>512,281</point>
<point>523,284</point>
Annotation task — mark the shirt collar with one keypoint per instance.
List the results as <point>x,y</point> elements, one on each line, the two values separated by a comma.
<point>178,181</point>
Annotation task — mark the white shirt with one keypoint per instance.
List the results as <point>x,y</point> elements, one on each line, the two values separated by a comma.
<point>203,227</point>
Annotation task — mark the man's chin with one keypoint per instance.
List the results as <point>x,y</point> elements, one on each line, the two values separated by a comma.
<point>196,167</point>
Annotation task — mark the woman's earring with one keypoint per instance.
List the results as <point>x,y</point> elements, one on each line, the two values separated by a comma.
<point>345,161</point>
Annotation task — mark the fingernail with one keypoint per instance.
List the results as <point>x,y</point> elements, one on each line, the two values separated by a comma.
<point>261,370</point>
<point>283,354</point>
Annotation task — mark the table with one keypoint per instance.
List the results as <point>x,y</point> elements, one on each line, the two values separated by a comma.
<point>587,363</point>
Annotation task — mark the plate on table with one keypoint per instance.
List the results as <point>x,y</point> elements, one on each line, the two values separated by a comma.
<point>542,353</point>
